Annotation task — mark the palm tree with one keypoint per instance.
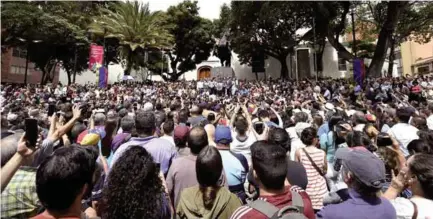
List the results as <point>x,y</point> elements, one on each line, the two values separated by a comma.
<point>135,27</point>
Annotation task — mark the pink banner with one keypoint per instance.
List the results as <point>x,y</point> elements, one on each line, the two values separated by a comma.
<point>96,57</point>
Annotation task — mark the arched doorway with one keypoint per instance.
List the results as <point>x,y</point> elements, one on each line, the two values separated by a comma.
<point>204,72</point>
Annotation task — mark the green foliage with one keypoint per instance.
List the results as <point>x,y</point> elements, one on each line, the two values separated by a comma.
<point>193,39</point>
<point>135,27</point>
<point>268,26</point>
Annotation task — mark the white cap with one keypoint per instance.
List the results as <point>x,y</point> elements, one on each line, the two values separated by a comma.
<point>148,106</point>
<point>329,106</point>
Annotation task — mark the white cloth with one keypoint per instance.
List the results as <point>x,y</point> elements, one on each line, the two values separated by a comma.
<point>430,122</point>
<point>295,142</point>
<point>405,209</point>
<point>404,134</point>
<point>359,127</point>
<point>243,147</point>
<point>168,138</point>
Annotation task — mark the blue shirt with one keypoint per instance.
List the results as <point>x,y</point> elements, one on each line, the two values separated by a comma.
<point>328,145</point>
<point>324,128</point>
<point>358,207</point>
<point>233,168</point>
<point>162,151</point>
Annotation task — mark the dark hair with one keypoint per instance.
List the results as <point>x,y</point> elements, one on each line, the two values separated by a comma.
<point>422,167</point>
<point>61,176</point>
<point>308,135</point>
<point>133,189</point>
<point>241,125</point>
<point>209,167</point>
<point>403,115</point>
<point>168,126</point>
<point>159,118</point>
<point>419,146</point>
<point>197,139</point>
<point>420,123</point>
<point>269,163</point>
<point>279,137</point>
<point>357,138</point>
<point>76,130</point>
<point>127,124</point>
<point>210,117</point>
<point>333,121</point>
<point>183,116</point>
<point>317,120</point>
<point>263,114</point>
<point>145,123</point>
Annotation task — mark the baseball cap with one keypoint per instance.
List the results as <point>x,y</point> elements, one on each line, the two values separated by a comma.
<point>180,132</point>
<point>368,168</point>
<point>223,134</point>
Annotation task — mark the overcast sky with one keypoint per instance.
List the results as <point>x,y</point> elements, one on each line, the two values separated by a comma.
<point>209,9</point>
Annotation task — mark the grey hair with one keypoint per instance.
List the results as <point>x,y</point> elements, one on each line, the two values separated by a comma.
<point>99,119</point>
<point>301,117</point>
<point>127,123</point>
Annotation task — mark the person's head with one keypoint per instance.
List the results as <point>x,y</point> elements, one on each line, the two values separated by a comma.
<point>420,123</point>
<point>309,136</point>
<point>168,127</point>
<point>65,178</point>
<point>263,114</point>
<point>196,110</point>
<point>223,135</point>
<point>333,121</point>
<point>279,136</point>
<point>182,116</point>
<point>145,123</point>
<point>76,130</point>
<point>99,119</point>
<point>210,131</point>
<point>362,170</point>
<point>269,165</point>
<point>358,118</point>
<point>404,114</point>
<point>419,146</point>
<point>180,136</point>
<point>300,117</point>
<point>317,120</point>
<point>8,147</point>
<point>197,139</point>
<point>209,167</point>
<point>241,125</point>
<point>132,181</point>
<point>419,171</point>
<point>357,138</point>
<point>127,124</point>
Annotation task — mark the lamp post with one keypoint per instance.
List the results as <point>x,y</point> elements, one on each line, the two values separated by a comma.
<point>27,55</point>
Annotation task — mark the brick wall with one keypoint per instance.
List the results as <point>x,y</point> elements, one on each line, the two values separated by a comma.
<point>33,76</point>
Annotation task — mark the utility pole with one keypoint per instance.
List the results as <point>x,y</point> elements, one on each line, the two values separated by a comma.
<point>314,46</point>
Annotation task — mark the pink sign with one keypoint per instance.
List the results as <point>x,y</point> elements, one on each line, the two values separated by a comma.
<point>96,57</point>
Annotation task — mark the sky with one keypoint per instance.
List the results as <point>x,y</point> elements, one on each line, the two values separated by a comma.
<point>209,9</point>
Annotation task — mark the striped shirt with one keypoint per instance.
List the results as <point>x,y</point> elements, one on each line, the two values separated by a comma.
<point>316,187</point>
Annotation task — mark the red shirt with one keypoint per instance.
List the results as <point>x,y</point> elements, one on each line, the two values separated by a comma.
<point>280,201</point>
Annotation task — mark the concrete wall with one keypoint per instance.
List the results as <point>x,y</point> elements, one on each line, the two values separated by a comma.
<point>412,51</point>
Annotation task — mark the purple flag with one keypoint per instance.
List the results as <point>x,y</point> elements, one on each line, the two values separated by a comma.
<point>358,71</point>
<point>103,77</point>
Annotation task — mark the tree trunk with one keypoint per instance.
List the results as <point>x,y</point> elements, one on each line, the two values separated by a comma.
<point>43,76</point>
<point>74,76</point>
<point>385,34</point>
<point>128,64</point>
<point>69,77</point>
<point>284,69</point>
<point>391,57</point>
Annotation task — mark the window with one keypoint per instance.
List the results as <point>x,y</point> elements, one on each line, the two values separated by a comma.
<point>19,70</point>
<point>19,52</point>
<point>342,65</point>
<point>423,70</point>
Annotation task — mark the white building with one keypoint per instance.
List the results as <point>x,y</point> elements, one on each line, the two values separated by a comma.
<point>332,67</point>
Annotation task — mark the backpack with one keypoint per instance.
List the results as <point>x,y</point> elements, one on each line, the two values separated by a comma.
<point>294,211</point>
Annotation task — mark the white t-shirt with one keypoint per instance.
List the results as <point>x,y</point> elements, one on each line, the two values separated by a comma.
<point>243,147</point>
<point>404,133</point>
<point>168,138</point>
<point>405,208</point>
<point>430,122</point>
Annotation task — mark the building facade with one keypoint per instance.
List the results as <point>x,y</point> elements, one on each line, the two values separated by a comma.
<point>416,58</point>
<point>13,67</point>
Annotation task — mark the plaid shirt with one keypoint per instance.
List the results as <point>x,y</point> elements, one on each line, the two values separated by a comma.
<point>19,199</point>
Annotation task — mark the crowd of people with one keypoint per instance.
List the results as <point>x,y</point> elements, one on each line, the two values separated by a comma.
<point>219,148</point>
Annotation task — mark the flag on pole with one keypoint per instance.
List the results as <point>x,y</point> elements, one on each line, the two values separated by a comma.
<point>96,57</point>
<point>358,71</point>
<point>103,77</point>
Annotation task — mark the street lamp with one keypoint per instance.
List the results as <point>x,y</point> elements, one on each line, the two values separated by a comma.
<point>27,55</point>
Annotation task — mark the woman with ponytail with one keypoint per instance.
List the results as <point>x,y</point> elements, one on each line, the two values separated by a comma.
<point>208,199</point>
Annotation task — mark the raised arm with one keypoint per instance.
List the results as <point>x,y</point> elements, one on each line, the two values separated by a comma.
<point>280,121</point>
<point>232,120</point>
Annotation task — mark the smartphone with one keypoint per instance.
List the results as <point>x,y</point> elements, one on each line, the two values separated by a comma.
<point>31,128</point>
<point>51,109</point>
<point>259,127</point>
